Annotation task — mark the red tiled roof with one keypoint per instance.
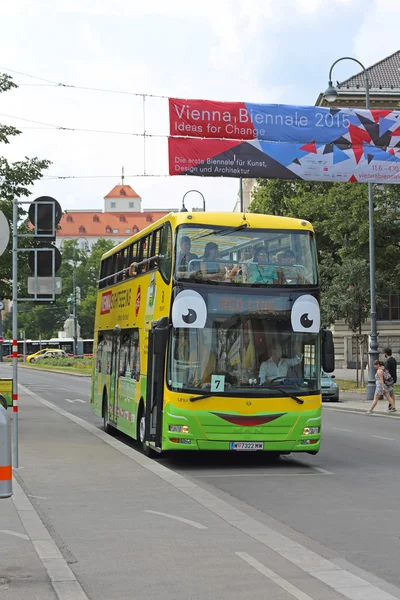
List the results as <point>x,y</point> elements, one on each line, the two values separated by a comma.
<point>76,223</point>
<point>122,191</point>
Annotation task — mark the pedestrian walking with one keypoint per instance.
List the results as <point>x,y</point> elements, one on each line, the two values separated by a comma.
<point>384,387</point>
<point>391,366</point>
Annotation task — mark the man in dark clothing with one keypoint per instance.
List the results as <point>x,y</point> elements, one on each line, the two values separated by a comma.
<point>184,257</point>
<point>391,366</point>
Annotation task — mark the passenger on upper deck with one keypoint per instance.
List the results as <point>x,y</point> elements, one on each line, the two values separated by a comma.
<point>259,270</point>
<point>184,257</point>
<point>239,273</point>
<point>210,268</point>
<point>291,273</point>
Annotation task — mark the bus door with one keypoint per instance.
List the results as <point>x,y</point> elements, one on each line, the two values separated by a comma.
<point>113,387</point>
<point>158,336</point>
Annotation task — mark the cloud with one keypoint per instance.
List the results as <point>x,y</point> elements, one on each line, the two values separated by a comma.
<point>380,23</point>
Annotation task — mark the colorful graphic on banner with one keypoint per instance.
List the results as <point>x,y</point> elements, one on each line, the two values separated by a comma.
<point>271,160</point>
<point>284,142</point>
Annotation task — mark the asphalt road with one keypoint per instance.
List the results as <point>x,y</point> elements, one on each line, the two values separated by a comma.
<point>346,498</point>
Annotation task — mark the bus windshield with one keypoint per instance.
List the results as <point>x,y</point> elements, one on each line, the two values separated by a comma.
<point>244,355</point>
<point>245,256</point>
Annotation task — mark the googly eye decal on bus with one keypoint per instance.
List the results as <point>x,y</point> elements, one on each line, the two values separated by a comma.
<point>306,315</point>
<point>189,310</point>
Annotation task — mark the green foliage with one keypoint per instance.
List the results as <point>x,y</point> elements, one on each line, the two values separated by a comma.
<point>15,179</point>
<point>339,214</point>
<point>48,318</point>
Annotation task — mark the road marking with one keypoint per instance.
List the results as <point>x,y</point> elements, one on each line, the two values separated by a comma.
<point>309,561</point>
<point>37,497</point>
<point>73,401</point>
<point>187,521</point>
<point>324,471</point>
<point>340,429</point>
<point>380,437</point>
<point>274,577</point>
<point>62,578</point>
<point>288,459</point>
<point>15,534</point>
<point>223,475</point>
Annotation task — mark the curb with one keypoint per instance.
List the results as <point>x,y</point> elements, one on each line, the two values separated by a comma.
<point>353,409</point>
<point>55,371</point>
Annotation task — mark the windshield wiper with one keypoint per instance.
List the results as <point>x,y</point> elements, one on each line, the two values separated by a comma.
<point>210,395</point>
<point>223,231</point>
<point>270,387</point>
<point>284,393</point>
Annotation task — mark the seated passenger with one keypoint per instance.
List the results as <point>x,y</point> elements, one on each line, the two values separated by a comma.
<point>260,271</point>
<point>239,273</point>
<point>210,268</point>
<point>184,258</point>
<point>292,273</point>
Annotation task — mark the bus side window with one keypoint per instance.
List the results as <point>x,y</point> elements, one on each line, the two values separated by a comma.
<point>134,361</point>
<point>133,259</point>
<point>100,345</point>
<point>155,248</point>
<point>166,252</point>
<point>124,355</point>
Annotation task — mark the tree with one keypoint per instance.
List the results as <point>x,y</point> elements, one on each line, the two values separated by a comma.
<point>339,214</point>
<point>15,179</point>
<point>47,319</point>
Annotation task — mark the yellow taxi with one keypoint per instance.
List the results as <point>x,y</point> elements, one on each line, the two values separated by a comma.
<point>33,357</point>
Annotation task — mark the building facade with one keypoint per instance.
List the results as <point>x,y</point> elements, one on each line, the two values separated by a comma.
<point>122,215</point>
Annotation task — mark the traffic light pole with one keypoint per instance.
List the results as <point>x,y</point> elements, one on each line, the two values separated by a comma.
<point>15,330</point>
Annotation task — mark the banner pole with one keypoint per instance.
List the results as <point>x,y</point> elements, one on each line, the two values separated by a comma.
<point>15,331</point>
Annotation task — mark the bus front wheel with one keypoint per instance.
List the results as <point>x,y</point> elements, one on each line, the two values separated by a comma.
<point>141,434</point>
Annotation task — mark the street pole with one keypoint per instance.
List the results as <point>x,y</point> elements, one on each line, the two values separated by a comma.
<point>74,310</point>
<point>184,209</point>
<point>15,330</point>
<point>241,195</point>
<point>331,95</point>
<point>1,334</point>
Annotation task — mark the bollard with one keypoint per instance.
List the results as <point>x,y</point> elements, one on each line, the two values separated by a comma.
<point>5,455</point>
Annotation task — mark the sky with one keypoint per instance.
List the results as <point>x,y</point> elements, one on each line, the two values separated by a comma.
<point>266,51</point>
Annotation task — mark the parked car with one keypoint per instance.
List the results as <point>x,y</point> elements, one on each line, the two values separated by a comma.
<point>329,387</point>
<point>52,354</point>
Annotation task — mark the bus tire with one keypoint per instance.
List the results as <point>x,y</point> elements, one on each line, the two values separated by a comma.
<point>141,427</point>
<point>106,423</point>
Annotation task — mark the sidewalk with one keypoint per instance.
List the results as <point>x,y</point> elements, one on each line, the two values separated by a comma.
<point>356,402</point>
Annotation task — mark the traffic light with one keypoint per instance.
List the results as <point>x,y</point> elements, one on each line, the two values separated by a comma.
<point>44,259</point>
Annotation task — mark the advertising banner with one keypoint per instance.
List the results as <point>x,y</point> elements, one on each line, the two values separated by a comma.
<point>236,139</point>
<point>283,123</point>
<point>363,162</point>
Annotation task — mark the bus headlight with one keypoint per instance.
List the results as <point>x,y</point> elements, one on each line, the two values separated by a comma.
<point>311,430</point>
<point>179,428</point>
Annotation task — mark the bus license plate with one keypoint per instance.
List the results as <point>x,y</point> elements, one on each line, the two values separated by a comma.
<point>246,445</point>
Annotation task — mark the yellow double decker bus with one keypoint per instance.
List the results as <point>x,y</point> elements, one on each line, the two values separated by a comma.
<point>208,336</point>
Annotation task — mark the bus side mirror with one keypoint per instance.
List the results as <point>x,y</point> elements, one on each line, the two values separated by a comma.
<point>328,351</point>
<point>160,336</point>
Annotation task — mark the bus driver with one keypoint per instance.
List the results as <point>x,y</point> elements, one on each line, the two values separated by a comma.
<point>277,366</point>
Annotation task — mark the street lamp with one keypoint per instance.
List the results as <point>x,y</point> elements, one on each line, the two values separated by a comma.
<point>184,209</point>
<point>331,95</point>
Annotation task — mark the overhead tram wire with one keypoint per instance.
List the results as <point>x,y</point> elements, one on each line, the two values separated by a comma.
<point>51,127</point>
<point>52,83</point>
